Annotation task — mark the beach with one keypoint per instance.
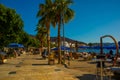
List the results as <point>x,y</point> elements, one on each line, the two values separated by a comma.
<point>33,67</point>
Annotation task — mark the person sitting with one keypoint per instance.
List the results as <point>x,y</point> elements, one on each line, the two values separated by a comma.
<point>44,54</point>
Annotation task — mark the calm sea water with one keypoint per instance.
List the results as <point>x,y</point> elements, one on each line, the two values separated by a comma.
<point>97,50</point>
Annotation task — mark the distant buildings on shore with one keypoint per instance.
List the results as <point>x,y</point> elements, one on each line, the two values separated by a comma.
<point>68,42</point>
<point>73,43</point>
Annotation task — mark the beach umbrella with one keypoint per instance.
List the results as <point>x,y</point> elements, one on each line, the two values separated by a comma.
<point>20,45</point>
<point>15,45</point>
<point>62,48</point>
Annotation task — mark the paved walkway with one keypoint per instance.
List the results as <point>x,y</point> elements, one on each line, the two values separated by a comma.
<point>32,67</point>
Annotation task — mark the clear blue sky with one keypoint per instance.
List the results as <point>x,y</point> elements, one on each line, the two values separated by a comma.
<point>93,18</point>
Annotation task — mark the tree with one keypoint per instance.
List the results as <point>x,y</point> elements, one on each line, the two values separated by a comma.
<point>41,35</point>
<point>45,15</point>
<point>11,25</point>
<point>55,12</point>
<point>11,29</point>
<point>63,14</point>
<point>90,44</point>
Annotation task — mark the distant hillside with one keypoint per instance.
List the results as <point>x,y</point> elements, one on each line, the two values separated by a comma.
<point>54,39</point>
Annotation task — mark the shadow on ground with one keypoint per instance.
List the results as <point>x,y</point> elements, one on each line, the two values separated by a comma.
<point>8,64</point>
<point>76,67</point>
<point>81,60</point>
<point>92,62</point>
<point>38,58</point>
<point>93,77</point>
<point>86,77</point>
<point>39,64</point>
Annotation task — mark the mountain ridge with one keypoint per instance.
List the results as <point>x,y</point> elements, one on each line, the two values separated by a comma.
<point>69,40</point>
<point>54,39</point>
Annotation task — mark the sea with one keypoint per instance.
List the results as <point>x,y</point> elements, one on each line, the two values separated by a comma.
<point>97,51</point>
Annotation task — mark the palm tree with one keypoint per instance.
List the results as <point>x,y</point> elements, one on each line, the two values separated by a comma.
<point>41,36</point>
<point>45,15</point>
<point>63,14</point>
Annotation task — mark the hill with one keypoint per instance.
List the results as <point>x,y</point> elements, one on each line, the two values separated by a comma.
<point>54,39</point>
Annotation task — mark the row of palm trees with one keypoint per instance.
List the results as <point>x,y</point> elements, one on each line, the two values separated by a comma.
<point>55,13</point>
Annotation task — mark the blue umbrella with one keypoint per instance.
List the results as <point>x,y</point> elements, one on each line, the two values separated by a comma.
<point>21,45</point>
<point>15,45</point>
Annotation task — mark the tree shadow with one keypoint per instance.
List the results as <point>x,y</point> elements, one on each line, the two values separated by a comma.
<point>92,62</point>
<point>76,67</point>
<point>43,64</point>
<point>82,60</point>
<point>116,76</point>
<point>9,64</point>
<point>39,59</point>
<point>94,77</point>
<point>86,77</point>
<point>12,72</point>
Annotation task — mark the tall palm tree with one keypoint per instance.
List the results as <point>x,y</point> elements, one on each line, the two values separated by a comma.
<point>45,15</point>
<point>41,36</point>
<point>63,14</point>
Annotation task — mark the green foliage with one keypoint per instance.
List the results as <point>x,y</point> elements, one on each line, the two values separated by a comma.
<point>62,11</point>
<point>28,40</point>
<point>41,35</point>
<point>11,26</point>
<point>90,44</point>
<point>54,12</point>
<point>11,29</point>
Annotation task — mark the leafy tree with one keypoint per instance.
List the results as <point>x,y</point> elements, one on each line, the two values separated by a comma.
<point>11,29</point>
<point>41,35</point>
<point>11,26</point>
<point>90,44</point>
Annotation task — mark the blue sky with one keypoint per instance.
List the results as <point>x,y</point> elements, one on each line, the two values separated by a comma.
<point>93,18</point>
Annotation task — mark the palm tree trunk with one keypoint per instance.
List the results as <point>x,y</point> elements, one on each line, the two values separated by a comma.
<point>48,37</point>
<point>59,42</point>
<point>48,41</point>
<point>41,46</point>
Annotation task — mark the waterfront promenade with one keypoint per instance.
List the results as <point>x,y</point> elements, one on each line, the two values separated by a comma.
<point>33,67</point>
